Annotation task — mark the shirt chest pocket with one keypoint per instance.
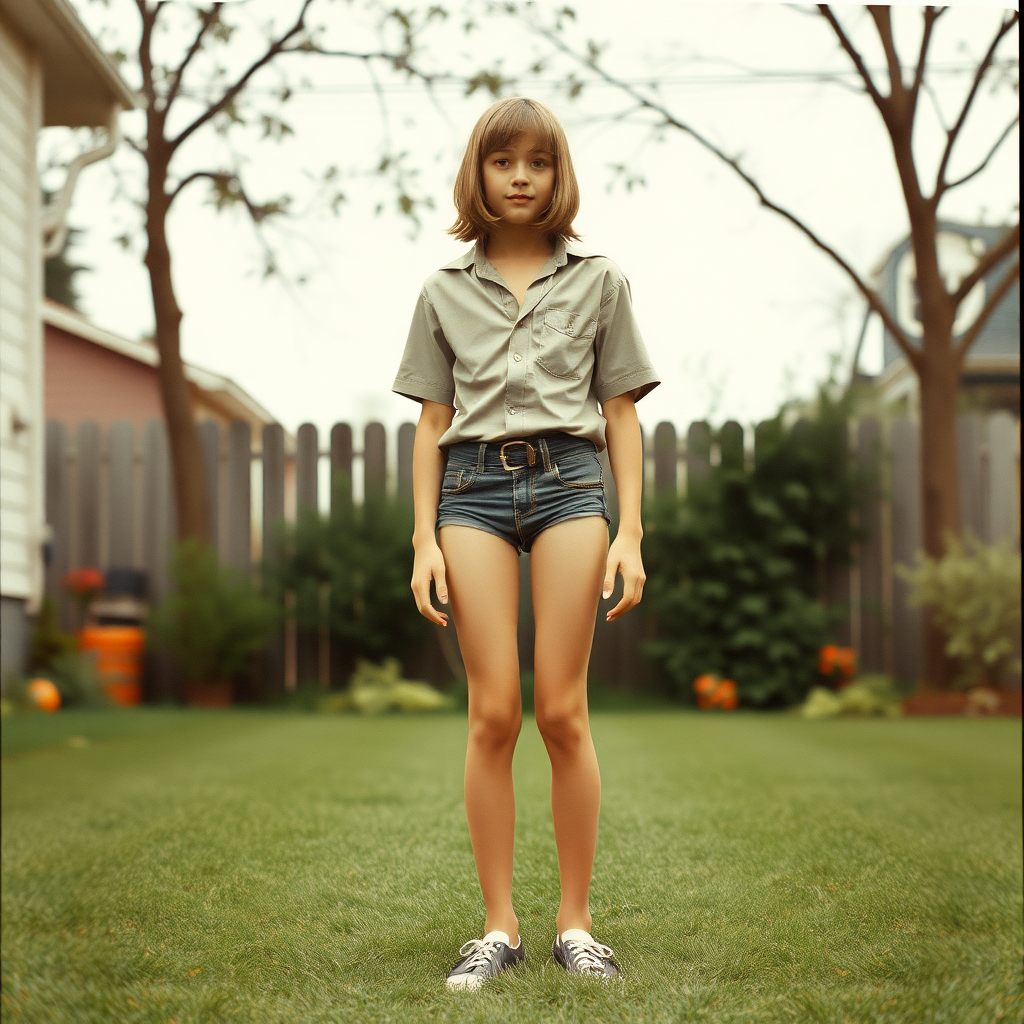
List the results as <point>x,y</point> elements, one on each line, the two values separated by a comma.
<point>566,343</point>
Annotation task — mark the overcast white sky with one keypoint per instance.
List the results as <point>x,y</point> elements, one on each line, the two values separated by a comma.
<point>737,309</point>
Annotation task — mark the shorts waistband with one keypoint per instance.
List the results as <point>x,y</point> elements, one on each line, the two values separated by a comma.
<point>517,450</point>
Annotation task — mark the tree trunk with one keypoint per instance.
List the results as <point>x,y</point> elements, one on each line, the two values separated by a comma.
<point>939,378</point>
<point>191,499</point>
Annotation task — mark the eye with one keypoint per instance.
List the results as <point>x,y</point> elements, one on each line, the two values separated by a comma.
<point>501,161</point>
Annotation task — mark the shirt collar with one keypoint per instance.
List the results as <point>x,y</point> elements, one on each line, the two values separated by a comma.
<point>563,249</point>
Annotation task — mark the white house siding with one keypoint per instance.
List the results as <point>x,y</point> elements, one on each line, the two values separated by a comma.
<point>21,346</point>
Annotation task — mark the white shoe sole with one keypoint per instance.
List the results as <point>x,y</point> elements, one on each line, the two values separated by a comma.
<point>464,982</point>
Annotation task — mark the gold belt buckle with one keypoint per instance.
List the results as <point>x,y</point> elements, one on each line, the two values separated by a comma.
<point>531,455</point>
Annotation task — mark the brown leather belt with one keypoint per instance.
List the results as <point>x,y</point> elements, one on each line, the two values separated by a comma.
<point>531,454</point>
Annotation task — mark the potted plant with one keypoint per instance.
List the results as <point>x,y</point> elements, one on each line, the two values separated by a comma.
<point>213,621</point>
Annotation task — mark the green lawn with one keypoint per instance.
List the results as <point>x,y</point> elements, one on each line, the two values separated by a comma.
<point>188,866</point>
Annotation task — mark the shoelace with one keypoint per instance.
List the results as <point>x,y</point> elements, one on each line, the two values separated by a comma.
<point>588,955</point>
<point>483,953</point>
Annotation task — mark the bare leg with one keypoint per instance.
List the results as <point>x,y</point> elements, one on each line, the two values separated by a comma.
<point>483,587</point>
<point>567,564</point>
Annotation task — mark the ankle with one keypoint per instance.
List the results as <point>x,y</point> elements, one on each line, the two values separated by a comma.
<point>503,923</point>
<point>563,922</point>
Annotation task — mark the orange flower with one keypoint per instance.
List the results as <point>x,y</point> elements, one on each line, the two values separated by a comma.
<point>726,696</point>
<point>704,686</point>
<point>833,659</point>
<point>44,694</point>
<point>84,581</point>
<point>827,659</point>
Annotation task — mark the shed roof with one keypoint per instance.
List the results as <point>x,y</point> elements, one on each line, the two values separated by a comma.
<point>81,83</point>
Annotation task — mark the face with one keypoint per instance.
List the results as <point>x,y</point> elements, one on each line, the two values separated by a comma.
<point>519,180</point>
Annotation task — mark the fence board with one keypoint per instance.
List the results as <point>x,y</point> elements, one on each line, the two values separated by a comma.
<point>238,544</point>
<point>121,506</point>
<point>159,524</point>
<point>374,462</point>
<point>666,459</point>
<point>87,546</point>
<point>698,452</point>
<point>209,439</point>
<point>906,540</point>
<point>869,636</point>
<point>341,466</point>
<point>406,442</point>
<point>307,454</point>
<point>273,662</point>
<point>730,445</point>
<point>970,443</point>
<point>58,515</point>
<point>1003,479</point>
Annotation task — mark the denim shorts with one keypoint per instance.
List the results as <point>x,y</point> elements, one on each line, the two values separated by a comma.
<point>514,489</point>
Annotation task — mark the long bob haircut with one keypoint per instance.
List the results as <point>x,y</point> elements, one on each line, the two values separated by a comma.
<point>499,125</point>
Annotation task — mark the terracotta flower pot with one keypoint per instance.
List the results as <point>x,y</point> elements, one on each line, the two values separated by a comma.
<point>209,695</point>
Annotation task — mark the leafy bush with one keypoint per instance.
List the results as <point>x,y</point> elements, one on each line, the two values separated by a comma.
<point>973,592</point>
<point>865,697</point>
<point>736,570</point>
<point>374,689</point>
<point>214,620</point>
<point>351,572</point>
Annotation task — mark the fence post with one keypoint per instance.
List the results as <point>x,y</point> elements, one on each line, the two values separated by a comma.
<point>89,469</point>
<point>58,515</point>
<point>665,459</point>
<point>872,621</point>
<point>273,515</point>
<point>238,546</point>
<point>341,467</point>
<point>905,479</point>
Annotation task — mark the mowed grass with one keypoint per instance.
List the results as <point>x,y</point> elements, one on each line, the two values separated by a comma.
<point>279,867</point>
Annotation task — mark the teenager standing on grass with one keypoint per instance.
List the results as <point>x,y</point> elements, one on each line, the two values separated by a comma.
<point>512,347</point>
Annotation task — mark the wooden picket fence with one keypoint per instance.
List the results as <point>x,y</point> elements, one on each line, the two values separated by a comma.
<point>109,504</point>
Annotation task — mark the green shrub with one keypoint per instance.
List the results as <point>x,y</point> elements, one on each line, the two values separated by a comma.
<point>374,689</point>
<point>214,620</point>
<point>351,572</point>
<point>48,641</point>
<point>866,697</point>
<point>736,570</point>
<point>973,592</point>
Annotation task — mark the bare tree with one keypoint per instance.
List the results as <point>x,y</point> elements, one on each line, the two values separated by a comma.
<point>192,92</point>
<point>938,359</point>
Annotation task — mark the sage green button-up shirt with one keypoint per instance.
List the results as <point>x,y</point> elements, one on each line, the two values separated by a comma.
<point>511,371</point>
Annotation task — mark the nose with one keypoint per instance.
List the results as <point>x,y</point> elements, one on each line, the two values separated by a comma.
<point>521,178</point>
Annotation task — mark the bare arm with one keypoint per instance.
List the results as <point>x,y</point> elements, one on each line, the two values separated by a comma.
<point>427,472</point>
<point>625,453</point>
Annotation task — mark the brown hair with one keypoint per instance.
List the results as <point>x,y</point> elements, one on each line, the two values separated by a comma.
<point>498,126</point>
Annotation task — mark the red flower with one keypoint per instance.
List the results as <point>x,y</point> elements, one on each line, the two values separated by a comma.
<point>84,582</point>
<point>833,660</point>
<point>726,696</point>
<point>715,692</point>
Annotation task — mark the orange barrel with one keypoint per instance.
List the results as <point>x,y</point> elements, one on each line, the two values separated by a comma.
<point>118,659</point>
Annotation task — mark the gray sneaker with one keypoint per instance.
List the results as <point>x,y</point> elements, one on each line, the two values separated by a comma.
<point>483,959</point>
<point>578,952</point>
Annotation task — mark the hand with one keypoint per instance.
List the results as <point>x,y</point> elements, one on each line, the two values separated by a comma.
<point>624,557</point>
<point>428,565</point>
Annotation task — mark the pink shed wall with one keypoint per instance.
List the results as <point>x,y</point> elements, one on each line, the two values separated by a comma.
<point>84,381</point>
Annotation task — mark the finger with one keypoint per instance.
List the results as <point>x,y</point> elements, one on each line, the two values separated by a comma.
<point>620,609</point>
<point>440,585</point>
<point>609,578</point>
<point>424,607</point>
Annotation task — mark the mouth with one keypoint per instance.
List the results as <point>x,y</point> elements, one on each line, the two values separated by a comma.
<point>519,198</point>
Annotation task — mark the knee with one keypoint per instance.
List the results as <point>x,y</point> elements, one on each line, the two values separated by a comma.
<point>563,725</point>
<point>496,727</point>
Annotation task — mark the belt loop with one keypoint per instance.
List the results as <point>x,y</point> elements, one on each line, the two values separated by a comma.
<point>545,457</point>
<point>481,452</point>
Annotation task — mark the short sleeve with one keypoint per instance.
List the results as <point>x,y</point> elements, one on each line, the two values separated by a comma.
<point>426,368</point>
<point>621,360</point>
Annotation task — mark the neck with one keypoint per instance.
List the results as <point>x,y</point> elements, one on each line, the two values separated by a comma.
<point>520,241</point>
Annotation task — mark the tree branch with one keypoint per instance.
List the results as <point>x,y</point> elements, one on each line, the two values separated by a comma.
<point>954,132</point>
<point>873,298</point>
<point>880,101</point>
<point>931,15</point>
<point>276,47</point>
<point>207,19</point>
<point>991,153</point>
<point>883,23</point>
<point>995,255</point>
<point>998,294</point>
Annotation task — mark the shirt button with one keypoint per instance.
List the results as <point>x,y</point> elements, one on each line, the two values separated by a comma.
<point>511,412</point>
<point>517,357</point>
